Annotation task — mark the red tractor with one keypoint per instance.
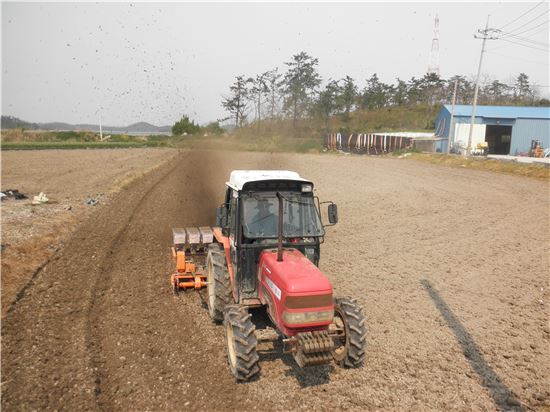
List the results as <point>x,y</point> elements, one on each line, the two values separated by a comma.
<point>264,253</point>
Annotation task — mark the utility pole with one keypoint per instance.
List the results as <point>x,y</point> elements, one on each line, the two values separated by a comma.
<point>451,126</point>
<point>483,34</point>
<point>100,112</point>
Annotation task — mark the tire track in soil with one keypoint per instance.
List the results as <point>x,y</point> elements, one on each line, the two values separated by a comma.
<point>102,284</point>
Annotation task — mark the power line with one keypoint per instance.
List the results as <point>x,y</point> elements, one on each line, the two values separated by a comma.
<point>530,21</point>
<point>527,40</point>
<point>532,28</point>
<point>517,18</point>
<point>530,36</point>
<point>525,45</point>
<point>538,31</point>
<point>530,42</point>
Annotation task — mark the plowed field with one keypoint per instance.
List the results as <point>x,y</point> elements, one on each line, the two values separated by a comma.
<point>450,265</point>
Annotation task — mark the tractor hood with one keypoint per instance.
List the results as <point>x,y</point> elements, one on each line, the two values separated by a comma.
<point>295,274</point>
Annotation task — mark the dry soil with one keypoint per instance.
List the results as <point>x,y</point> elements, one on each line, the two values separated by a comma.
<point>451,267</point>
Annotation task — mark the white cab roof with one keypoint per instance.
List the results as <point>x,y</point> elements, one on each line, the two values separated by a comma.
<point>238,178</point>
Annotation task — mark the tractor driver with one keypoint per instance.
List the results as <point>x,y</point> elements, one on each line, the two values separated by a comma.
<point>264,222</point>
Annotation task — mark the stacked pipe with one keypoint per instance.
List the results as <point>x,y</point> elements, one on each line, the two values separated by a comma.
<point>367,143</point>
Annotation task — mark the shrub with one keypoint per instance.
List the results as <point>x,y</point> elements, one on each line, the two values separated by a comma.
<point>185,126</point>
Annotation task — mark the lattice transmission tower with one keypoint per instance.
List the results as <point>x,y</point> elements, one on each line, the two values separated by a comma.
<point>433,67</point>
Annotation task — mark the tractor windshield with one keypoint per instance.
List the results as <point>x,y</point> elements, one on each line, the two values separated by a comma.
<point>261,216</point>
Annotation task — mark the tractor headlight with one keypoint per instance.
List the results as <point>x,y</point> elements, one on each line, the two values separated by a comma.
<point>298,318</point>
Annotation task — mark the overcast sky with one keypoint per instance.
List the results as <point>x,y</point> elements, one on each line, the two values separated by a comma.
<point>156,61</point>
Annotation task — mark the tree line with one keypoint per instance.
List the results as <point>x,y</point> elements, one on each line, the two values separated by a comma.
<point>299,93</point>
<point>185,126</point>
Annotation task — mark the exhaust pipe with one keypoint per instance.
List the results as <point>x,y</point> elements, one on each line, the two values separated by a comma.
<point>280,229</point>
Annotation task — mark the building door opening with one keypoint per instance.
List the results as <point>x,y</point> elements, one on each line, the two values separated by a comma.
<point>498,138</point>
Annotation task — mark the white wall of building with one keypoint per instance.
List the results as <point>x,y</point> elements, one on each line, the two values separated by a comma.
<point>462,131</point>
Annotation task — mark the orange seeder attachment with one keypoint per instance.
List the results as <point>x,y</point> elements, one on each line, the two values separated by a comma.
<point>189,253</point>
<point>188,274</point>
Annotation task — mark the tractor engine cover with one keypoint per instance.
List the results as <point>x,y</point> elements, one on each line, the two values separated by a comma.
<point>298,295</point>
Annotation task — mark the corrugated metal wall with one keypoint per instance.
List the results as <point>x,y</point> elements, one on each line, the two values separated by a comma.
<point>442,128</point>
<point>442,123</point>
<point>526,130</point>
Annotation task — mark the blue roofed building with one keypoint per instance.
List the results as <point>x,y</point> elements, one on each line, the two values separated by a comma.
<point>506,129</point>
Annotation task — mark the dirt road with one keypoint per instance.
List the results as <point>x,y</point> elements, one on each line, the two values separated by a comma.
<point>450,265</point>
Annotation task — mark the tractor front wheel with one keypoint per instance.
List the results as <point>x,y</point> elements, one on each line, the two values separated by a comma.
<point>241,343</point>
<point>219,283</point>
<point>350,325</point>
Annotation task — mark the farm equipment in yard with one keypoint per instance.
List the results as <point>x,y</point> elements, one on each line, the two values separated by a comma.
<point>263,254</point>
<point>536,149</point>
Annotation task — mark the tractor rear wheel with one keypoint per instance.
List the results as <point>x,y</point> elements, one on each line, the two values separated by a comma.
<point>219,283</point>
<point>349,321</point>
<point>240,341</point>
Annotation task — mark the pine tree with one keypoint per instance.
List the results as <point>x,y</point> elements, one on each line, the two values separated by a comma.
<point>236,103</point>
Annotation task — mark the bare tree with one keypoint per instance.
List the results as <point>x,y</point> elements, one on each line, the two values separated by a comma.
<point>273,82</point>
<point>258,90</point>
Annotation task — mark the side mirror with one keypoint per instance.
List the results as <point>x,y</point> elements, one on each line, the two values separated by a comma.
<point>333,213</point>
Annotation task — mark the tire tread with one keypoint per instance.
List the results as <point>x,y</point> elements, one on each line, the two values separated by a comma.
<point>357,329</point>
<point>222,282</point>
<point>247,365</point>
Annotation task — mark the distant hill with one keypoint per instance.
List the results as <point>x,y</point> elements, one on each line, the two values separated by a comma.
<point>11,122</point>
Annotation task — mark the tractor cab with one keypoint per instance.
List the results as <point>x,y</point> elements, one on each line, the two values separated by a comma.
<point>256,203</point>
